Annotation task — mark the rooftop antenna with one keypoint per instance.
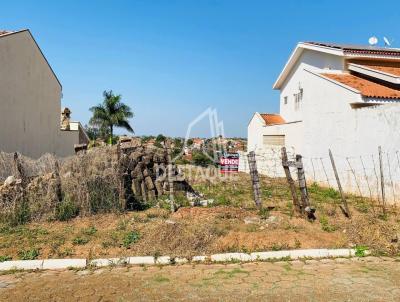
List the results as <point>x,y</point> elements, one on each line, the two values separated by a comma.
<point>387,42</point>
<point>373,41</point>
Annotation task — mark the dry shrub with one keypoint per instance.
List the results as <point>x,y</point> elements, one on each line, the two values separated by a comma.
<point>184,238</point>
<point>381,236</point>
<point>87,183</point>
<point>91,181</point>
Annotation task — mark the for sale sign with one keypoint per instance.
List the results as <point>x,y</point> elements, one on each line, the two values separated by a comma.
<point>229,162</point>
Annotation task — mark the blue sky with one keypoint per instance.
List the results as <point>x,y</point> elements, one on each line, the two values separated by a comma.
<point>171,60</point>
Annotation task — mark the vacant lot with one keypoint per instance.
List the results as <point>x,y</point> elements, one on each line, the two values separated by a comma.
<point>231,223</point>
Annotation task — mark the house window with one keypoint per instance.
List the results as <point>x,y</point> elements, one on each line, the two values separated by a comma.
<point>285,100</point>
<point>274,140</point>
<point>298,98</point>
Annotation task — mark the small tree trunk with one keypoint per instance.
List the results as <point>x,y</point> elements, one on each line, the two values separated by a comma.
<point>111,135</point>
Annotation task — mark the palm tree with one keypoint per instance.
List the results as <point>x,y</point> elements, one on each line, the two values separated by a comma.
<point>111,113</point>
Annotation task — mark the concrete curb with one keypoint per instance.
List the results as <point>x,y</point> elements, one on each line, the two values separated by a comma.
<point>165,260</point>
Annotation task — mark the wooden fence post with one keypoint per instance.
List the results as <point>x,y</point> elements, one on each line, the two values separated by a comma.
<point>382,179</point>
<point>19,170</point>
<point>302,183</point>
<point>170,177</point>
<point>290,180</point>
<point>344,207</point>
<point>254,178</point>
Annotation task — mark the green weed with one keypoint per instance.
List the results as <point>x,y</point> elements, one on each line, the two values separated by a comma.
<point>5,258</point>
<point>325,226</point>
<point>66,210</point>
<point>80,240</point>
<point>130,238</point>
<point>361,250</point>
<point>28,254</point>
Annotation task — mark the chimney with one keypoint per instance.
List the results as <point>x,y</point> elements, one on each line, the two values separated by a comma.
<point>65,118</point>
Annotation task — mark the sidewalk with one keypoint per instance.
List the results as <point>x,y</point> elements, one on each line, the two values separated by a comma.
<point>356,279</point>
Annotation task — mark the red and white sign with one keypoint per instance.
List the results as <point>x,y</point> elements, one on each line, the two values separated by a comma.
<point>229,163</point>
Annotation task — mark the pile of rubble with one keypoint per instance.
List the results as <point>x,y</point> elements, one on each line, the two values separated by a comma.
<point>147,173</point>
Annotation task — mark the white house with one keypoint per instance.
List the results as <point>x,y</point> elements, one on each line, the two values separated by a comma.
<point>340,97</point>
<point>30,101</point>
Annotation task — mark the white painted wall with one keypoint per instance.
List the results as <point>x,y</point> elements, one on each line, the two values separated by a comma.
<point>311,60</point>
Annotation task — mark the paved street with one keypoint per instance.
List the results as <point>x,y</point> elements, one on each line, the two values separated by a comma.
<point>365,279</point>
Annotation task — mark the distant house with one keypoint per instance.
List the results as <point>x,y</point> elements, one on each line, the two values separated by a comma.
<point>30,98</point>
<point>334,96</point>
<point>198,143</point>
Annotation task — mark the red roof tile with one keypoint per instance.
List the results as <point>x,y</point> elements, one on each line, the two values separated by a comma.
<point>366,88</point>
<point>272,119</point>
<point>392,68</point>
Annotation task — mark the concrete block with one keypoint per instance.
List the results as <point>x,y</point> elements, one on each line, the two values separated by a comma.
<point>179,260</point>
<point>269,255</point>
<point>21,265</point>
<point>312,253</point>
<point>141,260</point>
<point>199,258</point>
<point>63,263</point>
<point>230,257</point>
<point>340,253</point>
<point>163,260</point>
<point>108,261</point>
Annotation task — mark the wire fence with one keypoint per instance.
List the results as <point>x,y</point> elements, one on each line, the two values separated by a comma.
<point>375,176</point>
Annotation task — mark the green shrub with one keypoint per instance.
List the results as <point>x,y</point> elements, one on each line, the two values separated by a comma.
<point>130,238</point>
<point>66,210</point>
<point>323,192</point>
<point>325,224</point>
<point>200,159</point>
<point>362,207</point>
<point>89,231</point>
<point>222,200</point>
<point>5,258</point>
<point>80,240</point>
<point>31,254</point>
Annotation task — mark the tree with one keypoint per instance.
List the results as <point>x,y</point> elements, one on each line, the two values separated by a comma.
<point>160,138</point>
<point>201,159</point>
<point>111,113</point>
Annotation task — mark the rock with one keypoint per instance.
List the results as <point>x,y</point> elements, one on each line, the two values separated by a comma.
<point>170,221</point>
<point>206,202</point>
<point>251,220</point>
<point>272,219</point>
<point>10,181</point>
<point>149,183</point>
<point>151,195</point>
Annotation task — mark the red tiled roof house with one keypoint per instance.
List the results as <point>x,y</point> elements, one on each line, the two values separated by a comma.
<point>334,96</point>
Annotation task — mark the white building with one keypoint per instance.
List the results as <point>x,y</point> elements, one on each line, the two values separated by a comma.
<point>340,97</point>
<point>30,101</point>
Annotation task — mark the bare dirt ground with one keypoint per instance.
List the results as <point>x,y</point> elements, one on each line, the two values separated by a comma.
<point>361,279</point>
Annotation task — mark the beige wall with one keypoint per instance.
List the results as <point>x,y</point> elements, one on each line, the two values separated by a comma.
<point>30,100</point>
